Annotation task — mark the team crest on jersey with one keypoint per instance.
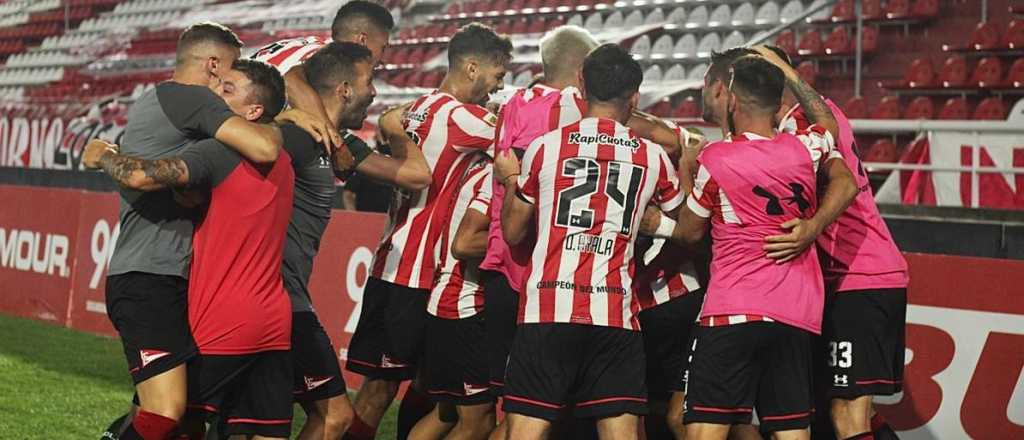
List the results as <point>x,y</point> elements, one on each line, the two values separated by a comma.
<point>603,138</point>
<point>471,389</point>
<point>148,356</point>
<point>314,382</point>
<point>490,118</point>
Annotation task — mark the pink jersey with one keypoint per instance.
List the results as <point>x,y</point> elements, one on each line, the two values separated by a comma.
<point>527,115</point>
<point>859,251</point>
<point>448,132</point>
<point>590,182</point>
<point>748,186</point>
<point>457,292</point>
<point>286,54</point>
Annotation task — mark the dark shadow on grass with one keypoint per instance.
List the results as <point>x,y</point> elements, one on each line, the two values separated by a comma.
<point>64,350</point>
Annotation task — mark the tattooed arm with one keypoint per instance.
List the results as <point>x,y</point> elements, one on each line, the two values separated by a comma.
<point>810,100</point>
<point>130,172</point>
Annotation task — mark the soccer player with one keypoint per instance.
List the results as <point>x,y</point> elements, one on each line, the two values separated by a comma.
<point>759,315</point>
<point>447,127</point>
<point>584,187</point>
<point>357,21</point>
<point>238,310</point>
<point>866,283</point>
<point>146,289</point>
<point>455,362</point>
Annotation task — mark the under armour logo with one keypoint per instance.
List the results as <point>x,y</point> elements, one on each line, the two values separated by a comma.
<point>840,380</point>
<point>774,203</point>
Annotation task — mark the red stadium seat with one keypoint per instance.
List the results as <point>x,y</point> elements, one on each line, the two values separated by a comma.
<point>984,37</point>
<point>990,109</point>
<point>855,108</point>
<point>810,43</point>
<point>897,9</point>
<point>989,73</point>
<point>883,150</point>
<point>921,107</point>
<point>838,42</point>
<point>1015,77</point>
<point>787,42</point>
<point>661,109</point>
<point>843,11</point>
<point>920,73</point>
<point>887,108</point>
<point>869,39</point>
<point>454,8</point>
<point>687,108</point>
<point>925,8</point>
<point>1014,36</point>
<point>954,72</point>
<point>537,26</point>
<point>520,26</point>
<point>871,9</point>
<point>808,72</point>
<point>955,109</point>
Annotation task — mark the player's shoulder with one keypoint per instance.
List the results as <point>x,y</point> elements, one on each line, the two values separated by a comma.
<point>476,111</point>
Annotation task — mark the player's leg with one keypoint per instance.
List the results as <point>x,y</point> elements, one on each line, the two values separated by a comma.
<point>610,383</point>
<point>721,385</point>
<point>475,422</point>
<point>317,383</point>
<point>667,331</point>
<point>501,303</point>
<point>327,419</point>
<point>674,415</point>
<point>406,330</point>
<point>525,427</point>
<point>371,402</point>
<point>744,432</point>
<point>542,368</point>
<point>785,401</point>
<point>622,426</point>
<point>865,355</point>
<point>437,424</point>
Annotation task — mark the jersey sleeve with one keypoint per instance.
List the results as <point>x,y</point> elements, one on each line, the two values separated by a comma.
<point>300,146</point>
<point>819,143</point>
<point>667,194</point>
<point>704,195</point>
<point>284,55</point>
<point>209,162</point>
<point>482,199</point>
<point>471,128</point>
<point>529,179</point>
<point>193,110</point>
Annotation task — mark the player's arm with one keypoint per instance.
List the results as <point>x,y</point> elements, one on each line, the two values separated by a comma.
<point>810,100</point>
<point>656,130</point>
<point>471,238</point>
<point>134,173</point>
<point>407,168</point>
<point>516,208</point>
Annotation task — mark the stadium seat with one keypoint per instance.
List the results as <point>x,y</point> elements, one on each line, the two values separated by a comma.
<point>883,150</point>
<point>743,15</point>
<point>954,109</point>
<point>791,11</point>
<point>838,42</point>
<point>613,21</point>
<point>990,109</point>
<point>661,108</point>
<point>920,107</point>
<point>1015,76</point>
<point>520,26</point>
<point>594,23</point>
<point>897,9</point>
<point>768,13</point>
<point>1014,36</point>
<point>634,20</point>
<point>686,47</point>
<point>641,47</point>
<point>810,43</point>
<point>871,9</point>
<point>855,108</point>
<point>988,73</point>
<point>657,16</point>
<point>653,74</point>
<point>954,72</point>
<point>842,11</point>
<point>687,108</point>
<point>698,17</point>
<point>697,72</point>
<point>677,16</point>
<point>734,39</point>
<point>920,74</point>
<point>710,43</point>
<point>522,79</point>
<point>808,72</point>
<point>674,73</point>
<point>984,37</point>
<point>786,40</point>
<point>925,9</point>
<point>887,108</point>
<point>869,39</point>
<point>662,47</point>
<point>721,16</point>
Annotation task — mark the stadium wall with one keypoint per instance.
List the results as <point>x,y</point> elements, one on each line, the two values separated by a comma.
<point>965,322</point>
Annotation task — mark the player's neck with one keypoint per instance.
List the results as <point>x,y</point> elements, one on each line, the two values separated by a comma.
<point>461,90</point>
<point>561,83</point>
<point>759,125</point>
<point>334,109</point>
<point>191,77</point>
<point>608,111</point>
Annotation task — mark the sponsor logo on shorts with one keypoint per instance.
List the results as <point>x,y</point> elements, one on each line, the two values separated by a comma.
<point>148,356</point>
<point>471,389</point>
<point>840,380</point>
<point>314,382</point>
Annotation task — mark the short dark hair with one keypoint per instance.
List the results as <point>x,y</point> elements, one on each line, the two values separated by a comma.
<point>206,32</point>
<point>334,64</point>
<point>781,53</point>
<point>267,83</point>
<point>352,16</point>
<point>758,81</point>
<point>610,73</point>
<point>476,39</point>
<point>721,61</point>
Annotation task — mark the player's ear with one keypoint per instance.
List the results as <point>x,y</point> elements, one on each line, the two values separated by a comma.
<point>255,112</point>
<point>472,69</point>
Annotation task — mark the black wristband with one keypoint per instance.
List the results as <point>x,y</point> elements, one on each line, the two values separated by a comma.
<point>359,149</point>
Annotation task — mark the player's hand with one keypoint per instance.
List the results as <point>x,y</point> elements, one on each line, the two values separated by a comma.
<point>770,56</point>
<point>783,248</point>
<point>321,129</point>
<point>506,165</point>
<point>343,159</point>
<point>95,150</point>
<point>695,140</point>
<point>650,221</point>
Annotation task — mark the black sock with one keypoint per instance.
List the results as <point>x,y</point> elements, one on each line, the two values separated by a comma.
<point>130,434</point>
<point>113,431</point>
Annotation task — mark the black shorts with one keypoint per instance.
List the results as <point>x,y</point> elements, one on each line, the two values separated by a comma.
<point>667,332</point>
<point>251,393</point>
<point>388,341</point>
<point>735,367</point>
<point>150,312</point>
<point>455,364</point>
<point>599,369</point>
<point>317,375</point>
<point>863,335</point>
<point>501,303</point>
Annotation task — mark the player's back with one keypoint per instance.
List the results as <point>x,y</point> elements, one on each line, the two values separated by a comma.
<point>448,132</point>
<point>590,182</point>
<point>860,251</point>
<point>237,301</point>
<point>286,54</point>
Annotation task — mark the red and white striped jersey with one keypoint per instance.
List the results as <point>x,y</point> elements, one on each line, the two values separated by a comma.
<point>669,275</point>
<point>457,292</point>
<point>590,182</point>
<point>286,54</point>
<point>448,132</point>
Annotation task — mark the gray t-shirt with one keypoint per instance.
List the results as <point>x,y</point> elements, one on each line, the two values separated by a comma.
<point>311,211</point>
<point>156,232</point>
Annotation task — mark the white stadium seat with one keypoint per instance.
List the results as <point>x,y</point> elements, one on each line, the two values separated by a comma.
<point>634,20</point>
<point>575,20</point>
<point>641,48</point>
<point>687,46</point>
<point>663,47</point>
<point>734,39</point>
<point>614,21</point>
<point>653,74</point>
<point>743,15</point>
<point>656,16</point>
<point>594,23</point>
<point>697,72</point>
<point>721,16</point>
<point>523,78</point>
<point>710,43</point>
<point>674,73</point>
<point>768,14</point>
<point>698,17</point>
<point>791,11</point>
<point>677,16</point>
